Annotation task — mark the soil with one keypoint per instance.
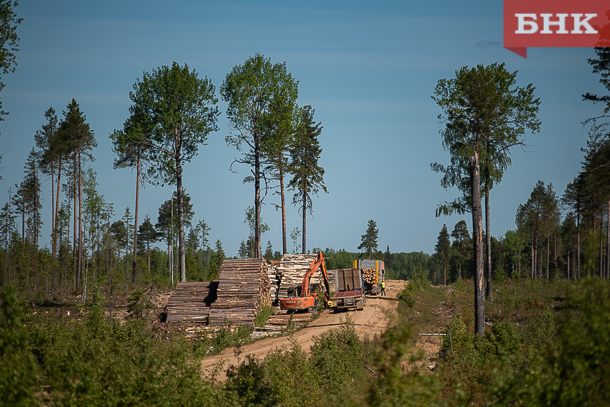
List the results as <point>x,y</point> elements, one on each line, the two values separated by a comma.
<point>372,320</point>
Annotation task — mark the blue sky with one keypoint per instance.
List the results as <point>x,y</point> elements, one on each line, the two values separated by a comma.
<point>368,71</point>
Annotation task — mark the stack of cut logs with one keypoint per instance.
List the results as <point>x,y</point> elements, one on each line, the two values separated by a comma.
<point>368,276</point>
<point>291,270</point>
<point>190,302</point>
<point>243,288</point>
<point>284,319</point>
<point>274,280</point>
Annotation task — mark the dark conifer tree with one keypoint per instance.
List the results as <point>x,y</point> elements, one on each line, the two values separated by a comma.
<point>443,250</point>
<point>76,137</point>
<point>460,234</point>
<point>147,234</point>
<point>368,242</point>
<point>308,175</point>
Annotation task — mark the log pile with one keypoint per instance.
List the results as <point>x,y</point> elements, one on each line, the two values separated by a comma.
<point>274,281</point>
<point>284,319</point>
<point>369,276</point>
<point>243,288</point>
<point>190,302</point>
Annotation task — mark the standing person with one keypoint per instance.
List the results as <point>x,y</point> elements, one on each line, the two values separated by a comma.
<point>383,287</point>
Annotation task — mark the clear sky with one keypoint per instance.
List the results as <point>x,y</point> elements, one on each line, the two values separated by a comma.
<point>367,68</point>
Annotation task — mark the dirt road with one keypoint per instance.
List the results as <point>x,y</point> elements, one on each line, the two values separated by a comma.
<point>370,321</point>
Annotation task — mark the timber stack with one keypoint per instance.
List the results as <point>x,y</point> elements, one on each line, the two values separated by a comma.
<point>243,288</point>
<point>283,320</point>
<point>293,267</point>
<point>369,276</point>
<point>274,280</point>
<point>190,302</point>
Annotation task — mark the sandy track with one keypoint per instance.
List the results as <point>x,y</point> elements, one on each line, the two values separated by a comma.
<point>370,321</point>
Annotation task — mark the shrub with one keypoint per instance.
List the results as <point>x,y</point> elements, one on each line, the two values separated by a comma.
<point>261,317</point>
<point>571,369</point>
<point>137,304</point>
<point>338,358</point>
<point>18,371</point>
<point>391,385</point>
<point>283,378</point>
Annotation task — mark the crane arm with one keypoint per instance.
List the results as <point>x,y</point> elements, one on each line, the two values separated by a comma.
<point>317,263</point>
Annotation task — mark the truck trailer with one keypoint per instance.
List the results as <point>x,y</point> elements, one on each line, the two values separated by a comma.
<point>373,273</point>
<point>349,289</point>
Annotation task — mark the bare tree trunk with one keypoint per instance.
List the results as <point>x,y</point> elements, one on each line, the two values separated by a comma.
<point>74,234</point>
<point>477,225</point>
<point>181,247</point>
<point>135,233</point>
<point>257,199</point>
<point>170,239</point>
<point>53,226</point>
<point>54,264</point>
<point>283,199</point>
<point>80,220</point>
<point>36,231</point>
<point>304,220</point>
<point>488,239</point>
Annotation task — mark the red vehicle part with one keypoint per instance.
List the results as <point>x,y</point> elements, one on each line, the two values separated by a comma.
<point>307,299</point>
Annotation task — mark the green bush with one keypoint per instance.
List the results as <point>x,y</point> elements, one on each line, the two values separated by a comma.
<point>571,369</point>
<point>392,386</point>
<point>338,358</point>
<point>407,296</point>
<point>261,317</point>
<point>19,375</point>
<point>101,362</point>
<point>138,304</point>
<point>283,378</point>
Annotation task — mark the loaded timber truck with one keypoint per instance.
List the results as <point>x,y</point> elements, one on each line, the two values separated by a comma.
<point>373,272</point>
<point>349,289</point>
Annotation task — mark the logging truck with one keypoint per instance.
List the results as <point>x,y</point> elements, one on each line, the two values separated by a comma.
<point>373,272</point>
<point>350,291</point>
<point>308,298</point>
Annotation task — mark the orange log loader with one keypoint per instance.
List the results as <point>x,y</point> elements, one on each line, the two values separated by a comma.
<point>307,298</point>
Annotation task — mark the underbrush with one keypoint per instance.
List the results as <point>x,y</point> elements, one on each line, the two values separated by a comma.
<point>546,343</point>
<point>48,360</point>
<point>337,371</point>
<point>538,346</point>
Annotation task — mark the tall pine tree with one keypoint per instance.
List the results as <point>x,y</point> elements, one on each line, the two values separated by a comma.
<point>307,175</point>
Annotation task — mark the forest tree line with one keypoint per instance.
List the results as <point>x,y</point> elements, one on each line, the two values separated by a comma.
<point>173,111</point>
<point>558,234</point>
